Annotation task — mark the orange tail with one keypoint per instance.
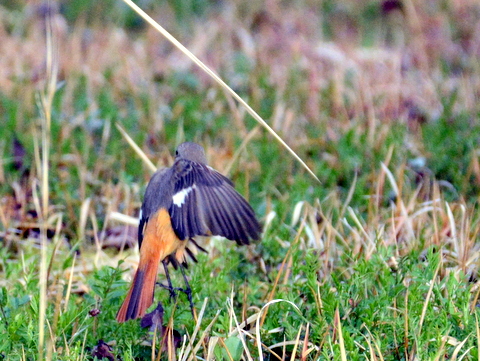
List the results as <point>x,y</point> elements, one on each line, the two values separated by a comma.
<point>140,296</point>
<point>159,241</point>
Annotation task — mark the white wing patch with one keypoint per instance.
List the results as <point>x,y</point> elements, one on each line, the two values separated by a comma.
<point>179,198</point>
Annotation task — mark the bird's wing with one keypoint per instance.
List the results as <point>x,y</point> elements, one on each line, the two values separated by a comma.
<point>204,203</point>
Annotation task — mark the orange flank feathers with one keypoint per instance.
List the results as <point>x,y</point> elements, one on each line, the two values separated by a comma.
<point>158,243</point>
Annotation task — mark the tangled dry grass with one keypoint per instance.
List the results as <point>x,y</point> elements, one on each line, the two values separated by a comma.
<point>420,54</point>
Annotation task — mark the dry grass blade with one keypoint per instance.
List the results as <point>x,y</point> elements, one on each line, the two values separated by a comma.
<point>69,285</point>
<point>338,326</point>
<point>56,242</point>
<point>188,349</point>
<point>153,344</point>
<point>357,222</point>
<point>391,178</point>
<point>257,323</point>
<point>182,350</point>
<point>427,300</point>
<point>117,216</point>
<point>136,148</point>
<point>240,334</point>
<point>225,347</point>
<point>458,348</point>
<point>465,354</point>
<point>373,357</point>
<point>250,320</point>
<point>203,336</point>
<point>305,343</point>
<point>377,347</point>
<point>296,213</point>
<point>207,70</point>
<point>45,103</point>
<point>295,346</point>
<point>453,229</point>
<point>212,343</point>
<point>83,218</point>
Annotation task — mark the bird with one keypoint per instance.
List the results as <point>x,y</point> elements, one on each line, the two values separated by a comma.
<point>186,200</point>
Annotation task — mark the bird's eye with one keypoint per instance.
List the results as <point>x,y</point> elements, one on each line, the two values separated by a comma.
<point>176,153</point>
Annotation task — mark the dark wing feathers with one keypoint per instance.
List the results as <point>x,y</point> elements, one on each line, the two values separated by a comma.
<point>243,215</point>
<point>216,214</point>
<point>230,223</point>
<point>209,205</point>
<point>185,219</point>
<point>141,229</point>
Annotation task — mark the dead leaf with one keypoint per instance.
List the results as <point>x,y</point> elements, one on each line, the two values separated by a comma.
<point>102,350</point>
<point>154,320</point>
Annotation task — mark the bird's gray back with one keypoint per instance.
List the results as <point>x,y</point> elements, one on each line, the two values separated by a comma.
<point>159,192</point>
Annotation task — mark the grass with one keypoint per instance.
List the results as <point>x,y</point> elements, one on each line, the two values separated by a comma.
<point>379,262</point>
